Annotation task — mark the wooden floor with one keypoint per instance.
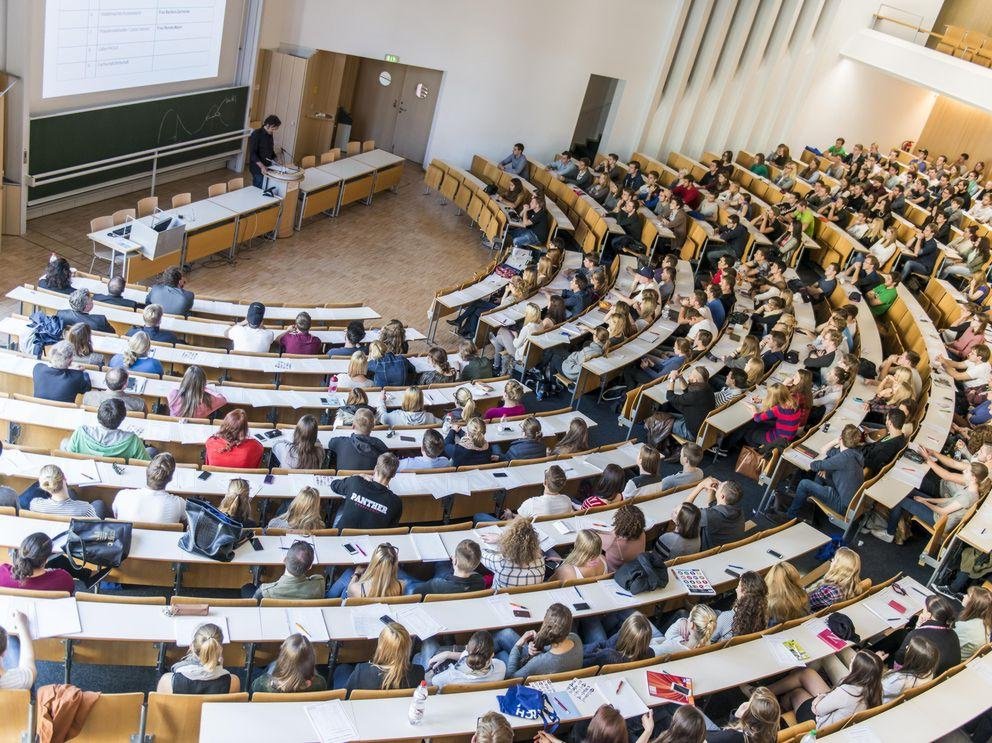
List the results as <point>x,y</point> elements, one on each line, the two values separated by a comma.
<point>393,255</point>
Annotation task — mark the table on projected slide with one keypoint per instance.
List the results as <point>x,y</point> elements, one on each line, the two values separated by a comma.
<point>357,179</point>
<point>388,168</point>
<point>258,214</point>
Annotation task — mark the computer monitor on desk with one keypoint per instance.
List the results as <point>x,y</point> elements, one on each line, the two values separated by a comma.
<point>160,235</point>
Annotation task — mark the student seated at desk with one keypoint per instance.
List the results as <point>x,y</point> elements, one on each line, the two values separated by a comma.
<point>441,372</point>
<point>918,666</point>
<point>369,503</point>
<point>585,560</point>
<point>201,670</point>
<point>648,471</point>
<point>52,496</point>
<point>458,576</point>
<point>474,664</point>
<point>882,297</point>
<point>115,380</point>
<point>684,539</point>
<point>973,371</point>
<point>81,337</point>
<point>514,556</point>
<point>23,676</point>
<point>974,624</point>
<point>303,513</point>
<point>607,489</point>
<point>358,373</point>
<point>723,518</point>
<point>388,369</point>
<point>749,612</point>
<point>465,443</point>
<point>114,295</point>
<point>58,276</point>
<point>843,466</point>
<point>473,365</point>
<point>632,642</point>
<point>170,294</point>
<point>755,721</point>
<point>353,336</point>
<point>378,579</point>
<point>627,539</point>
<point>295,669</point>
<point>361,450</point>
<point>135,357</point>
<point>55,381</point>
<point>248,336</point>
<point>192,398</point>
<point>935,623</point>
<point>432,453</point>
<point>515,162</point>
<point>105,439</point>
<point>152,503</point>
<point>26,569</point>
<point>553,648</point>
<point>688,633</point>
<point>80,307</point>
<point>236,503</point>
<point>842,580</point>
<point>390,667</point>
<point>151,316</point>
<point>410,413</point>
<point>298,340</point>
<point>530,446</point>
<point>690,457</point>
<point>576,439</point>
<point>231,446</point>
<point>811,698</point>
<point>534,225</point>
<point>304,451</point>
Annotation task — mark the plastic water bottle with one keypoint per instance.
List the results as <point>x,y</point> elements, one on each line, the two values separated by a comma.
<point>333,386</point>
<point>418,704</point>
<point>810,737</point>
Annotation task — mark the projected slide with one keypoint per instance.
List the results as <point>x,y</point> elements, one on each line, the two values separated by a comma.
<point>94,45</point>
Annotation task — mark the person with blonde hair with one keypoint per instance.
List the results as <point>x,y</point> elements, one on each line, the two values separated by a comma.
<point>358,370</point>
<point>464,409</point>
<point>52,496</point>
<point>974,625</point>
<point>192,398</point>
<point>135,357</point>
<point>841,581</point>
<point>236,502</point>
<point>410,413</point>
<point>466,443</point>
<point>201,670</point>
<point>585,560</point>
<point>294,670</point>
<point>779,417</point>
<point>390,667</point>
<point>688,633</point>
<point>754,368</point>
<point>787,597</point>
<point>492,727</point>
<point>356,400</point>
<point>80,336</point>
<point>511,345</point>
<point>378,579</point>
<point>553,648</point>
<point>513,402</point>
<point>303,513</point>
<point>151,316</point>
<point>514,556</point>
<point>631,643</point>
<point>441,372</point>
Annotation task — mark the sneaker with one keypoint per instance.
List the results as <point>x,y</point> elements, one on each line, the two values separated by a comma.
<point>882,535</point>
<point>946,591</point>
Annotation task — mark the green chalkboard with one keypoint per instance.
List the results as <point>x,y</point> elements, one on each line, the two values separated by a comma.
<point>80,137</point>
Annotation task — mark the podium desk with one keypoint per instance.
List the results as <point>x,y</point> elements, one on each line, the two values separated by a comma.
<point>320,192</point>
<point>258,214</point>
<point>356,180</point>
<point>209,228</point>
<point>388,168</point>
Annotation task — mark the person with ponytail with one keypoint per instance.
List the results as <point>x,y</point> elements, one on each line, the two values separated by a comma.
<point>466,445</point>
<point>27,570</point>
<point>755,721</point>
<point>464,409</point>
<point>553,648</point>
<point>688,633</point>
<point>473,665</point>
<point>201,670</point>
<point>135,357</point>
<point>390,667</point>
<point>294,670</point>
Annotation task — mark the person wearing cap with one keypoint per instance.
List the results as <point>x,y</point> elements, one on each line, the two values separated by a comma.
<point>249,336</point>
<point>80,307</point>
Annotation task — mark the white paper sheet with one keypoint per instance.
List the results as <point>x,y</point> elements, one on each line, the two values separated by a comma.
<point>309,622</point>
<point>365,620</point>
<point>418,621</point>
<point>430,547</point>
<point>331,721</point>
<point>623,699</point>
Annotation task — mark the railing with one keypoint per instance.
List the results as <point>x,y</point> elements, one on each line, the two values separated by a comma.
<point>971,46</point>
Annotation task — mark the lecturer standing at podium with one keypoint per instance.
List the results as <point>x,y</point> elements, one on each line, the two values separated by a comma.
<point>262,150</point>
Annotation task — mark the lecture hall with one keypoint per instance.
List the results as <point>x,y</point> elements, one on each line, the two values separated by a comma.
<point>562,371</point>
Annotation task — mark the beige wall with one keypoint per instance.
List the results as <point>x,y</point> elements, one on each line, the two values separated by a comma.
<point>975,15</point>
<point>954,127</point>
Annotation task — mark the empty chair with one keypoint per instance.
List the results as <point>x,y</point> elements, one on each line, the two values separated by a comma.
<point>235,183</point>
<point>147,205</point>
<point>181,199</point>
<point>99,252</point>
<point>354,148</point>
<point>216,189</point>
<point>308,161</point>
<point>122,214</point>
<point>329,156</point>
<point>368,145</point>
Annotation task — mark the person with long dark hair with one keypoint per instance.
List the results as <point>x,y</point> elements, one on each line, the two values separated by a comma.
<point>811,697</point>
<point>27,570</point>
<point>304,452</point>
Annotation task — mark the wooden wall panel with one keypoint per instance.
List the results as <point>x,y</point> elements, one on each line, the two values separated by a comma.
<point>954,127</point>
<point>975,15</point>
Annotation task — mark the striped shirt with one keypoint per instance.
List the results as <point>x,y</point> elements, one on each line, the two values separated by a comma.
<point>506,574</point>
<point>67,507</point>
<point>787,422</point>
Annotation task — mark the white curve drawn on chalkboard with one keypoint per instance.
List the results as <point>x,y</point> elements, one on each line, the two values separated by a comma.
<point>214,112</point>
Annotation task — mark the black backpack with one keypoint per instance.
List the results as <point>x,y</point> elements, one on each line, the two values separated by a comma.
<point>647,572</point>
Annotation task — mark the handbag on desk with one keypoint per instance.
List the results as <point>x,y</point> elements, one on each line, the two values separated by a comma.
<point>210,532</point>
<point>96,542</point>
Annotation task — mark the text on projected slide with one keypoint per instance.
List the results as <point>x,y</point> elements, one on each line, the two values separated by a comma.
<point>94,45</point>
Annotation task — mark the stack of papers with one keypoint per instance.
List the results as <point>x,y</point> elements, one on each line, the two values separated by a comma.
<point>621,696</point>
<point>366,620</point>
<point>429,547</point>
<point>332,721</point>
<point>309,622</point>
<point>46,617</point>
<point>418,621</point>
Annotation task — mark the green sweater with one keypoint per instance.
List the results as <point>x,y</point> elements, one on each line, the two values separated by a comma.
<point>98,441</point>
<point>886,295</point>
<point>264,684</point>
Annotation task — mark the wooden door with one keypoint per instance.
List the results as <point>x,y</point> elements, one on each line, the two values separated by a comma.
<point>415,113</point>
<point>377,94</point>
